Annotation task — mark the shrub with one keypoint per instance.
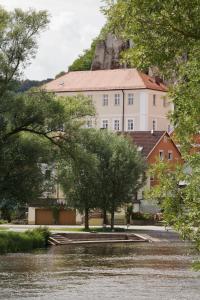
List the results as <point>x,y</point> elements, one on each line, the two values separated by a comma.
<point>23,241</point>
<point>140,216</point>
<point>3,221</point>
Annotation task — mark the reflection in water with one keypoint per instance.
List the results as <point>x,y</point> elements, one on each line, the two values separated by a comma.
<point>118,271</point>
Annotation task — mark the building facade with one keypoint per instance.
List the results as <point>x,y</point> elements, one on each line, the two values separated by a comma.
<point>154,146</point>
<point>124,99</point>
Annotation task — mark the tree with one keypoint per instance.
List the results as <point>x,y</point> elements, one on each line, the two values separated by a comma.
<point>79,180</point>
<point>178,194</point>
<point>33,121</point>
<point>109,176</point>
<point>84,61</point>
<point>166,36</point>
<point>61,73</point>
<point>125,174</point>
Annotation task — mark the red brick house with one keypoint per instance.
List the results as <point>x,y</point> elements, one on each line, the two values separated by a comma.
<point>154,146</point>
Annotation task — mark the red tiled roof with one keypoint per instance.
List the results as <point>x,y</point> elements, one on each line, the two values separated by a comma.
<point>145,139</point>
<point>104,80</point>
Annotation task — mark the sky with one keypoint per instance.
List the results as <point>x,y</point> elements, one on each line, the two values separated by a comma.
<point>73,25</point>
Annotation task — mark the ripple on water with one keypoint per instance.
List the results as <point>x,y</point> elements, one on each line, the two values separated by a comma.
<point>145,271</point>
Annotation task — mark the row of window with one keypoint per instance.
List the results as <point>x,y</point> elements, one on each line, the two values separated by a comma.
<point>162,156</point>
<point>116,125</point>
<point>165,102</point>
<point>117,99</point>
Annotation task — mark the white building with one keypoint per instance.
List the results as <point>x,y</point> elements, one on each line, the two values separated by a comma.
<point>125,99</point>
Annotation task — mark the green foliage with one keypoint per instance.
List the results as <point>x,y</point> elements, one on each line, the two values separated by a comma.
<point>166,36</point>
<point>22,242</point>
<point>60,74</point>
<point>178,193</point>
<point>162,31</point>
<point>3,221</point>
<point>141,216</point>
<point>27,84</point>
<point>107,174</point>
<point>35,126</point>
<point>84,61</point>
<point>18,34</point>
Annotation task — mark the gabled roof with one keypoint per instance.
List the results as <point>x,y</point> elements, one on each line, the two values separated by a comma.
<point>100,80</point>
<point>145,140</point>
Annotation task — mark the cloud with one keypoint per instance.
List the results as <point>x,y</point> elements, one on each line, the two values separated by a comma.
<point>74,23</point>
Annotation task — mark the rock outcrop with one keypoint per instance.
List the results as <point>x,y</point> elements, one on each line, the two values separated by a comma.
<point>107,53</point>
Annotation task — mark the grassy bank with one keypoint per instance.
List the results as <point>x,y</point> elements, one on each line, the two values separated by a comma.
<point>11,242</point>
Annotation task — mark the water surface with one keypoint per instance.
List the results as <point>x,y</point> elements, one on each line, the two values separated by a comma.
<point>156,271</point>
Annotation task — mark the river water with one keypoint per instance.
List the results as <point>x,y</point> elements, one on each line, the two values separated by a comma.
<point>156,271</point>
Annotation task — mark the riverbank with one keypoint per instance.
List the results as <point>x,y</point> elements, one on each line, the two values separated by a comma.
<point>11,242</point>
<point>158,232</point>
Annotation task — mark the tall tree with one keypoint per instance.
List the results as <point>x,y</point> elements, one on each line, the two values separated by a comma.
<point>110,175</point>
<point>30,120</point>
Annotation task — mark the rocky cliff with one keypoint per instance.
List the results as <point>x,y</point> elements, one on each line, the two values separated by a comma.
<point>107,53</point>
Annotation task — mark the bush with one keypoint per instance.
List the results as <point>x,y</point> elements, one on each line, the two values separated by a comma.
<point>140,216</point>
<point>23,241</point>
<point>3,222</point>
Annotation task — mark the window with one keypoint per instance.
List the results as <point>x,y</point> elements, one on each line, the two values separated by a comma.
<point>105,100</point>
<point>164,101</point>
<point>105,124</point>
<point>130,99</point>
<point>130,125</point>
<point>161,154</point>
<point>117,99</point>
<point>90,97</point>
<point>170,155</point>
<point>116,125</point>
<point>89,124</point>
<point>154,125</point>
<point>154,100</point>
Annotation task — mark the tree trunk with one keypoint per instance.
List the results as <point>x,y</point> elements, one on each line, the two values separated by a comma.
<point>105,217</point>
<point>112,218</point>
<point>86,218</point>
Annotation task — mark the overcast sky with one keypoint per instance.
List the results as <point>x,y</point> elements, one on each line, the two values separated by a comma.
<point>74,23</point>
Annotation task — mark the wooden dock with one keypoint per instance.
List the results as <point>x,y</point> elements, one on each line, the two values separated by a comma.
<point>94,238</point>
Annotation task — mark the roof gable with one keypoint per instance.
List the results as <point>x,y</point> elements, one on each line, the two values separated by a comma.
<point>145,140</point>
